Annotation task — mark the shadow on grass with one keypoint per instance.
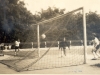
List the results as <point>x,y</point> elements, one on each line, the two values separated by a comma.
<point>96,65</point>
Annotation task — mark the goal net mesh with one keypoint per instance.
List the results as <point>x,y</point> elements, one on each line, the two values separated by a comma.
<point>56,29</point>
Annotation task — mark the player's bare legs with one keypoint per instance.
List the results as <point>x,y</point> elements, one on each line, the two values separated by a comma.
<point>97,53</point>
<point>64,51</point>
<point>15,52</point>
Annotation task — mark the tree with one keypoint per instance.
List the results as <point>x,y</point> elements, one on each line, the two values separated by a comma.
<point>15,20</point>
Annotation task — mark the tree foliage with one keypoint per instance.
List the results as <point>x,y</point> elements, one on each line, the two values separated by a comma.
<point>14,20</point>
<point>17,22</point>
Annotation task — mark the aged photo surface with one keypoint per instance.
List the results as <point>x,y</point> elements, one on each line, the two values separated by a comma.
<point>49,37</point>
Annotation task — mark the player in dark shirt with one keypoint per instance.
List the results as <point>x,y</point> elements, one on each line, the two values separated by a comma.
<point>62,45</point>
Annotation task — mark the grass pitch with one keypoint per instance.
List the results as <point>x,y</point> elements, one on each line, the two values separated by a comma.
<point>28,59</point>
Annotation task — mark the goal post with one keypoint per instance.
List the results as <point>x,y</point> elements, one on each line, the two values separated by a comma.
<point>85,36</point>
<point>38,40</point>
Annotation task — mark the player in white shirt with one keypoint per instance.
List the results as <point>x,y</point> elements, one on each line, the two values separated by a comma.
<point>17,43</point>
<point>95,50</point>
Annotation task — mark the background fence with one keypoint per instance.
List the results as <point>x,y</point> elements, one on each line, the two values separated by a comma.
<point>45,44</point>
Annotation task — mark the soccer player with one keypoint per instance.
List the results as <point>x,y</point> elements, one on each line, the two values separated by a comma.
<point>96,49</point>
<point>17,43</point>
<point>62,46</point>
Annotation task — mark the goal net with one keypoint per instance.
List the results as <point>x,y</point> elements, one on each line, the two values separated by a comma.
<point>48,53</point>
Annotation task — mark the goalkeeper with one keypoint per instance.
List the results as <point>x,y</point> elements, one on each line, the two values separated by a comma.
<point>62,46</point>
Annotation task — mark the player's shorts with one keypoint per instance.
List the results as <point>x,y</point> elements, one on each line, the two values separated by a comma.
<point>96,48</point>
<point>16,47</point>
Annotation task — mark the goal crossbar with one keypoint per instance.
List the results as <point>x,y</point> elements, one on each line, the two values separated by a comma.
<point>57,17</point>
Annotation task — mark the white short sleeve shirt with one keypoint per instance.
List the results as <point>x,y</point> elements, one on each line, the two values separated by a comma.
<point>17,43</point>
<point>96,41</point>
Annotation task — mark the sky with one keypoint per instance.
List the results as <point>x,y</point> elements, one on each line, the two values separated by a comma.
<point>89,5</point>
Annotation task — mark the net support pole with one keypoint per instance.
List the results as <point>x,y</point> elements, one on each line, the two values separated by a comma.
<point>85,36</point>
<point>32,45</point>
<point>38,40</point>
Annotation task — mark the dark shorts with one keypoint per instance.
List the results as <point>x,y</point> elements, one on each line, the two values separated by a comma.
<point>96,48</point>
<point>16,47</point>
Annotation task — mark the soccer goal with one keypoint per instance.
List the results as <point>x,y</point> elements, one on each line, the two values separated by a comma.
<point>58,24</point>
<point>50,33</point>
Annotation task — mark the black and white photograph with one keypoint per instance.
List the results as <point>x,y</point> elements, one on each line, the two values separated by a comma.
<point>49,37</point>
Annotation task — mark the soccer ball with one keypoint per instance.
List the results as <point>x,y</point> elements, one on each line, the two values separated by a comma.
<point>43,36</point>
